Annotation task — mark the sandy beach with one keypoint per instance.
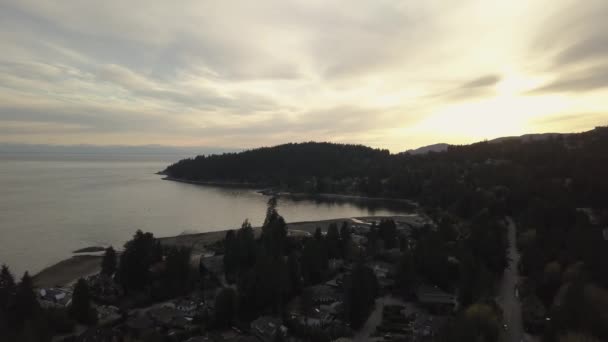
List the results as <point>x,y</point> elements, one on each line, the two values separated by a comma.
<point>68,271</point>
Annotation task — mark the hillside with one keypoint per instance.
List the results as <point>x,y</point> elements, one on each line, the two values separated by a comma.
<point>293,166</point>
<point>441,147</point>
<point>576,159</point>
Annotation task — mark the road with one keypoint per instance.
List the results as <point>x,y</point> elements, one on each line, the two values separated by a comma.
<point>374,319</point>
<point>508,297</point>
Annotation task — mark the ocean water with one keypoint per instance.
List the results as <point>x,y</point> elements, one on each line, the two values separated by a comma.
<point>53,204</point>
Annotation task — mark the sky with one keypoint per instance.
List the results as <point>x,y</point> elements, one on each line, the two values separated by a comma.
<point>241,74</point>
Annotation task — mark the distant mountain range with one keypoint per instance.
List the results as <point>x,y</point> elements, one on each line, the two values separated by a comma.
<point>111,149</point>
<point>441,147</point>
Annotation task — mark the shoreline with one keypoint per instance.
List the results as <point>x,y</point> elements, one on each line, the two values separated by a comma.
<point>262,189</point>
<point>212,183</point>
<point>68,271</point>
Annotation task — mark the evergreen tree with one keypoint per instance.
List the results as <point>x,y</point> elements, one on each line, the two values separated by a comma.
<point>360,293</point>
<point>274,230</point>
<point>225,308</point>
<point>387,230</point>
<point>231,251</point>
<point>295,273</point>
<point>26,304</point>
<point>80,309</point>
<point>135,261</point>
<point>7,287</point>
<point>246,246</point>
<point>345,239</point>
<point>406,274</point>
<point>108,264</point>
<point>333,241</point>
<point>318,234</point>
<point>175,280</point>
<point>314,260</point>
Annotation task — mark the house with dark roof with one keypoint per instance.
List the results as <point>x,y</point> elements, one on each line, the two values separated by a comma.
<point>266,328</point>
<point>436,299</point>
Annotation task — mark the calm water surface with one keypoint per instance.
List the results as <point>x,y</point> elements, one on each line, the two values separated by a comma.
<point>52,205</point>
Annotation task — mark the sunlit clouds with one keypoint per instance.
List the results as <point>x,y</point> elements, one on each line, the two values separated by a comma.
<point>392,74</point>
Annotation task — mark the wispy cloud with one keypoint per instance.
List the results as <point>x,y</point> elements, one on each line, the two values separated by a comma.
<point>242,74</point>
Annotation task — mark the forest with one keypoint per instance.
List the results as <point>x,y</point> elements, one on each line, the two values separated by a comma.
<point>555,188</point>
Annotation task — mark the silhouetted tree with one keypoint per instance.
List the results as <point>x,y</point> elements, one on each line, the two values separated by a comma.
<point>274,230</point>
<point>81,309</point>
<point>387,230</point>
<point>7,287</point>
<point>333,241</point>
<point>361,290</point>
<point>231,257</point>
<point>406,274</point>
<point>345,239</point>
<point>108,263</point>
<point>314,260</point>
<point>225,308</point>
<point>176,278</point>
<point>135,261</point>
<point>26,305</point>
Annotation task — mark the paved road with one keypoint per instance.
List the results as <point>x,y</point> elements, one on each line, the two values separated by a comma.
<point>374,319</point>
<point>508,298</point>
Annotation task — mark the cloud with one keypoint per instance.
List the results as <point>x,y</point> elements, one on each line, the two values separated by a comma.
<point>578,122</point>
<point>578,81</point>
<point>575,43</point>
<point>235,73</point>
<point>474,88</point>
<point>575,34</point>
<point>481,82</point>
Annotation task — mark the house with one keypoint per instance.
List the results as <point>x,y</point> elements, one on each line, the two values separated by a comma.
<point>198,339</point>
<point>163,315</point>
<point>358,239</point>
<point>343,339</point>
<point>335,264</point>
<point>323,294</point>
<point>54,297</point>
<point>436,299</point>
<point>104,288</point>
<point>189,308</point>
<point>98,334</point>
<point>334,309</point>
<point>139,324</point>
<point>336,282</point>
<point>382,270</point>
<point>108,315</point>
<point>266,328</point>
<point>213,264</point>
<point>213,268</point>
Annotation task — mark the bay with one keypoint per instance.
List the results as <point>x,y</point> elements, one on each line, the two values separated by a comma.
<point>53,204</point>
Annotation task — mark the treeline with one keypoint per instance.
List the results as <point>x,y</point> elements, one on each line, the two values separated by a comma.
<point>304,166</point>
<point>273,269</point>
<point>565,262</point>
<point>149,271</point>
<point>146,272</point>
<point>572,167</point>
<point>22,318</point>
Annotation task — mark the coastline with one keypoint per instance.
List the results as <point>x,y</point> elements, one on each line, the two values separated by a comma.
<point>212,183</point>
<point>262,189</point>
<point>69,270</point>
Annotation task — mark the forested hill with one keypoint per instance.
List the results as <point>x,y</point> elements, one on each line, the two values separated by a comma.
<point>288,165</point>
<point>571,166</point>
